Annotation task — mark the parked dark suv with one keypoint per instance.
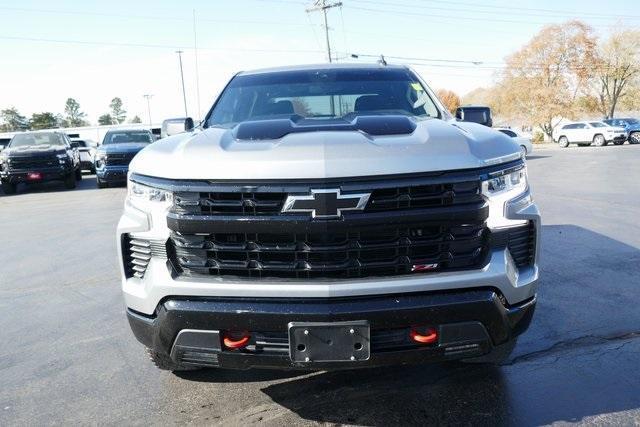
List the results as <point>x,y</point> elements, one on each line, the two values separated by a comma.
<point>631,125</point>
<point>33,157</point>
<point>116,152</point>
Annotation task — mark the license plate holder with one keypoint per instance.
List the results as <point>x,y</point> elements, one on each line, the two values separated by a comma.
<point>311,342</point>
<point>34,176</point>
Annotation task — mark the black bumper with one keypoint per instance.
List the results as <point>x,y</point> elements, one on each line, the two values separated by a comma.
<point>47,174</point>
<point>113,174</point>
<point>470,324</point>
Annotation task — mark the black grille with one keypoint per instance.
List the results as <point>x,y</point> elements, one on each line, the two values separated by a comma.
<point>119,159</point>
<point>371,251</point>
<point>381,200</point>
<point>522,244</point>
<point>33,163</point>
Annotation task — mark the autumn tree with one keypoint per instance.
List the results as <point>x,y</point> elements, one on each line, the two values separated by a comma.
<point>118,113</point>
<point>617,70</point>
<point>449,99</point>
<point>542,80</point>
<point>73,116</point>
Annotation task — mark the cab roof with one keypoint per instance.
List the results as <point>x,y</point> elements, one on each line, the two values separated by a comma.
<point>321,67</point>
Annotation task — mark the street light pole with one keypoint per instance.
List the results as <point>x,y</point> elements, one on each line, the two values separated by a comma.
<point>184,93</point>
<point>148,97</point>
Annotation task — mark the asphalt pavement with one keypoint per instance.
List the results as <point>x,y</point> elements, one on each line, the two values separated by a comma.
<point>67,355</point>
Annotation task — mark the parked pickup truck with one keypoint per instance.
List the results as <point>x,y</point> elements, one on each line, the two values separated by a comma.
<point>35,157</point>
<point>328,217</point>
<point>112,158</point>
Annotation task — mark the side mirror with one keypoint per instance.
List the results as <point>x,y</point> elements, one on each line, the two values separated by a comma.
<point>176,126</point>
<point>475,114</point>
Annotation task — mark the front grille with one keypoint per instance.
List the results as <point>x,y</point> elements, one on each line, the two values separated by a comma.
<point>119,159</point>
<point>381,200</point>
<point>33,163</point>
<point>138,252</point>
<point>371,251</point>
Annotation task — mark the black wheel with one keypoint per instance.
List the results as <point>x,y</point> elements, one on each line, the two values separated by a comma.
<point>498,356</point>
<point>78,174</point>
<point>9,188</point>
<point>634,138</point>
<point>165,363</point>
<point>70,181</point>
<point>563,142</point>
<point>101,183</point>
<point>618,142</point>
<point>599,141</point>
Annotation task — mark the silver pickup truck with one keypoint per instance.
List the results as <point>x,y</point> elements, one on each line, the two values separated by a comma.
<point>328,217</point>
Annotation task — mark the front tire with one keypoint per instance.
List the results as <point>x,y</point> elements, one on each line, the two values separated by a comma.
<point>70,181</point>
<point>78,174</point>
<point>599,141</point>
<point>9,188</point>
<point>165,363</point>
<point>563,142</point>
<point>101,183</point>
<point>634,138</point>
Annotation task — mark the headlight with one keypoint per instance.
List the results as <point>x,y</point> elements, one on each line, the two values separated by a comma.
<point>146,197</point>
<point>62,158</point>
<point>501,188</point>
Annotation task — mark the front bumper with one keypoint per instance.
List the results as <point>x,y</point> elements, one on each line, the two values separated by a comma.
<point>469,323</point>
<point>112,174</point>
<point>48,174</point>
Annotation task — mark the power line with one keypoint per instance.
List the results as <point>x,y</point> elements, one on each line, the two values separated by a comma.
<point>154,46</point>
<point>559,14</point>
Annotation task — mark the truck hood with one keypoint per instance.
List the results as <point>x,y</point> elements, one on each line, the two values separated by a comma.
<point>35,150</point>
<point>216,153</point>
<point>127,147</point>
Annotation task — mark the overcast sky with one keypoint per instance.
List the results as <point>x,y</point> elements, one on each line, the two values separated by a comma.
<point>94,51</point>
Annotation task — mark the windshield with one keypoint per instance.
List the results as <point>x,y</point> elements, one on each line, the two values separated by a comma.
<point>322,95</point>
<point>598,124</point>
<point>36,139</point>
<point>127,136</point>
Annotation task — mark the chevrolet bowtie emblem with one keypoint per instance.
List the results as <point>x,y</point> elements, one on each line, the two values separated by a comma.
<point>325,203</point>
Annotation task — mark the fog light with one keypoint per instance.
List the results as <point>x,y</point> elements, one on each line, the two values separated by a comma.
<point>424,335</point>
<point>236,339</point>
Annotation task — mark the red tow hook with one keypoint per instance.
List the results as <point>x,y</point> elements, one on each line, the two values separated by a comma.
<point>234,340</point>
<point>429,336</point>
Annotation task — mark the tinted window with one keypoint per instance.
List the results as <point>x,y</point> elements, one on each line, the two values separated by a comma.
<point>322,95</point>
<point>127,137</point>
<point>39,139</point>
<point>507,132</point>
<point>598,124</point>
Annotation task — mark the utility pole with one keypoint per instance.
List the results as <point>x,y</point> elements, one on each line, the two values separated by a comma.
<point>184,93</point>
<point>323,6</point>
<point>148,98</point>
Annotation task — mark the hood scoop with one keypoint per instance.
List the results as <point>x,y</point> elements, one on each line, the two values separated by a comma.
<point>279,128</point>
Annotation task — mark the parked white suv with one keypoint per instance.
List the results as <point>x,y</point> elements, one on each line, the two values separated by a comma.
<point>587,133</point>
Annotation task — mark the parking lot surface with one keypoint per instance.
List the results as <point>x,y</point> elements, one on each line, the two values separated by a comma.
<point>68,356</point>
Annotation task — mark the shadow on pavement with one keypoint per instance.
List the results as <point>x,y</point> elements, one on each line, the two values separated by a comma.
<point>88,182</point>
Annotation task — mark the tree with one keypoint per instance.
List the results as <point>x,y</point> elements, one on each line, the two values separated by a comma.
<point>12,120</point>
<point>543,79</point>
<point>105,119</point>
<point>45,120</point>
<point>617,70</point>
<point>136,119</point>
<point>73,116</point>
<point>449,99</point>
<point>118,113</point>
